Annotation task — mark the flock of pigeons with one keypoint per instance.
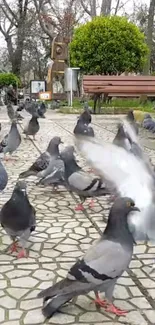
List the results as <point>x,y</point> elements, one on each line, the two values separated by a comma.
<point>122,169</point>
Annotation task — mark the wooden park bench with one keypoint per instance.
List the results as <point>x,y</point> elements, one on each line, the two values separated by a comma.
<point>118,86</point>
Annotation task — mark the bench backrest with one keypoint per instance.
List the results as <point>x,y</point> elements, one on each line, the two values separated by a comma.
<point>119,84</point>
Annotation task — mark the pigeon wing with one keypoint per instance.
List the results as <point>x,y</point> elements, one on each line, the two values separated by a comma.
<point>105,260</point>
<point>131,178</point>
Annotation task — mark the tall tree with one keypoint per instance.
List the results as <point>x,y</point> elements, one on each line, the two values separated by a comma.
<point>149,35</point>
<point>13,26</point>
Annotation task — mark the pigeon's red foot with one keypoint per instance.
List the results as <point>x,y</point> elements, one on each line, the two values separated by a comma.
<point>99,302</point>
<point>79,207</point>
<point>14,247</point>
<point>91,204</point>
<point>114,310</point>
<point>22,253</point>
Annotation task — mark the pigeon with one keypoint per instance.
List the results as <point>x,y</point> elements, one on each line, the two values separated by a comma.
<point>13,140</point>
<point>54,174</point>
<point>17,217</point>
<point>131,177</point>
<point>32,127</point>
<point>146,121</point>
<point>131,119</point>
<point>80,182</point>
<point>3,143</point>
<point>83,129</point>
<point>121,138</point>
<point>42,162</point>
<point>3,177</point>
<point>135,147</point>
<point>127,139</point>
<point>31,107</point>
<point>100,267</point>
<point>20,107</point>
<point>85,116</point>
<point>42,110</point>
<point>10,111</point>
<point>12,114</point>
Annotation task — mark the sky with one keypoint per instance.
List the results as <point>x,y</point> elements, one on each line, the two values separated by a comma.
<point>128,5</point>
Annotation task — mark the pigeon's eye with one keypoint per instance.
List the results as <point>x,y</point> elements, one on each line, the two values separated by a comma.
<point>130,204</point>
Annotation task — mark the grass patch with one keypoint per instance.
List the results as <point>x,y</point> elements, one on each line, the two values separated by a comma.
<point>116,106</point>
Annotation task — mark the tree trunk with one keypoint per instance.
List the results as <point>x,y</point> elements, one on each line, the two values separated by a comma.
<point>93,8</point>
<point>106,7</point>
<point>149,38</point>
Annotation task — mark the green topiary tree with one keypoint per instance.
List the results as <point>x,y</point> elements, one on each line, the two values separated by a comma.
<point>108,45</point>
<point>7,79</point>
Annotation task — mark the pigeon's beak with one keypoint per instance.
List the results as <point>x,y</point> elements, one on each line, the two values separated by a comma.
<point>135,209</point>
<point>62,142</point>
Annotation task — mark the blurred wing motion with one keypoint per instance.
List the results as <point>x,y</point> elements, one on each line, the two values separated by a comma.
<point>131,178</point>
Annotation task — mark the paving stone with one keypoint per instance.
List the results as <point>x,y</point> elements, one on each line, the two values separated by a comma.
<point>7,302</point>
<point>61,237</point>
<point>141,303</point>
<point>134,318</point>
<point>2,315</point>
<point>26,282</point>
<point>135,291</point>
<point>120,292</point>
<point>31,304</point>
<point>62,319</point>
<point>17,293</point>
<point>17,273</point>
<point>92,317</point>
<point>150,314</point>
<point>15,314</point>
<point>34,317</point>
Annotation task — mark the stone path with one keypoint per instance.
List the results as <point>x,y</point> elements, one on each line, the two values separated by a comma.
<point>62,235</point>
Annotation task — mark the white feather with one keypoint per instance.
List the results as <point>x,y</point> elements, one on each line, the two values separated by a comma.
<point>131,178</point>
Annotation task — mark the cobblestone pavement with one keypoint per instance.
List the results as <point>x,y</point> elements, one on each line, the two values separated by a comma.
<point>62,235</point>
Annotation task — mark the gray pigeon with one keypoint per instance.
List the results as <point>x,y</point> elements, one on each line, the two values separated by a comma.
<point>10,111</point>
<point>85,116</point>
<point>42,162</point>
<point>32,127</point>
<point>100,267</point>
<point>13,140</point>
<point>31,107</point>
<point>121,139</point>
<point>54,174</point>
<point>3,143</point>
<point>17,217</point>
<point>132,178</point>
<point>3,177</point>
<point>82,128</point>
<point>80,182</point>
<point>147,121</point>
<point>131,119</point>
<point>42,110</point>
<point>12,114</point>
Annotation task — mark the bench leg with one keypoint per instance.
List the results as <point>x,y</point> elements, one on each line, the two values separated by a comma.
<point>95,103</point>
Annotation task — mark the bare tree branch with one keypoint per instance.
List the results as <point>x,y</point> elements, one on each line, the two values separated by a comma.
<point>45,29</point>
<point>85,8</point>
<point>117,7</point>
<point>10,10</point>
